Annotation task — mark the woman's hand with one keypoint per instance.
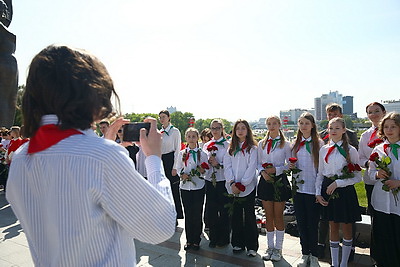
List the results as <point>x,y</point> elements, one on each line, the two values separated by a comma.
<point>184,177</point>
<point>392,184</point>
<point>112,131</point>
<point>151,143</point>
<point>381,174</point>
<point>266,176</point>
<point>213,161</point>
<point>321,200</point>
<point>235,190</point>
<point>331,188</point>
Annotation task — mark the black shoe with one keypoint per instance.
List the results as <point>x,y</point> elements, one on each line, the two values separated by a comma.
<point>196,247</point>
<point>321,251</point>
<point>187,246</point>
<point>212,245</point>
<point>351,256</point>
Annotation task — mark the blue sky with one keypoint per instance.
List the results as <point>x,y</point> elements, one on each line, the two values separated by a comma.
<point>229,59</point>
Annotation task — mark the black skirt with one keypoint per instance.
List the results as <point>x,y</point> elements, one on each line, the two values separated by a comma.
<point>343,204</point>
<point>279,191</point>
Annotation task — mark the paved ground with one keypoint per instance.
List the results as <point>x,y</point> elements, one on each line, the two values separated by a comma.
<point>14,249</point>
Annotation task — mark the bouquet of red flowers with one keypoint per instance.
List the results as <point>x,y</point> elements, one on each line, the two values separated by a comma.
<point>275,183</point>
<point>212,148</point>
<point>383,165</point>
<point>295,174</point>
<point>347,173</point>
<point>374,142</point>
<point>236,200</point>
<point>196,172</point>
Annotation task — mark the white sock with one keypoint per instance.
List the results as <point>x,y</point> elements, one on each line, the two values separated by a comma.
<point>346,249</point>
<point>334,245</point>
<point>270,239</point>
<point>279,239</point>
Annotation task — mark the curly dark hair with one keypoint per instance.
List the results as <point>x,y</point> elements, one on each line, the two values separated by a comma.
<point>70,83</point>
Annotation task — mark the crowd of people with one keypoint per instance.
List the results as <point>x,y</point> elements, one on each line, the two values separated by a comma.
<point>79,208</point>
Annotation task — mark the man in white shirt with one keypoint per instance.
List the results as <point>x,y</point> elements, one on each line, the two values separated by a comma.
<point>77,207</point>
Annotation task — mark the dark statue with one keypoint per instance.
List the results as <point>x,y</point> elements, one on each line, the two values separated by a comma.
<point>8,66</point>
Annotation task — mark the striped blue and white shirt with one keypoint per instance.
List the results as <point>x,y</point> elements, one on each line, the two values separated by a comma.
<point>81,202</point>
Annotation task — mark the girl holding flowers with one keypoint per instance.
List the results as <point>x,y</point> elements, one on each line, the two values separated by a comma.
<point>385,168</point>
<point>368,141</point>
<point>306,149</point>
<point>191,166</point>
<point>240,168</point>
<point>338,171</point>
<point>273,187</point>
<point>216,194</point>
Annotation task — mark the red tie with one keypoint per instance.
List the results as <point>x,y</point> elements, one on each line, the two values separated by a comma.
<point>47,136</point>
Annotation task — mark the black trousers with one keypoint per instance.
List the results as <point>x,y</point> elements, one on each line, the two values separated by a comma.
<point>307,216</point>
<point>168,162</point>
<point>218,218</point>
<point>193,208</point>
<point>386,233</point>
<point>244,225</point>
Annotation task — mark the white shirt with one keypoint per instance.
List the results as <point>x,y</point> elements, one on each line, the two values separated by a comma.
<point>241,168</point>
<point>277,156</point>
<point>171,142</point>
<point>198,183</point>
<point>364,151</point>
<point>79,208</point>
<point>381,200</point>
<point>220,154</point>
<point>305,162</point>
<point>335,164</point>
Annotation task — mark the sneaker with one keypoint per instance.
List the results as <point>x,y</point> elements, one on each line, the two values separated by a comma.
<point>251,253</point>
<point>304,261</point>
<point>268,254</point>
<point>276,255</point>
<point>314,261</point>
<point>237,249</point>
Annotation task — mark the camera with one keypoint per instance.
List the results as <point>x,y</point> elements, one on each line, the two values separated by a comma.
<point>131,131</point>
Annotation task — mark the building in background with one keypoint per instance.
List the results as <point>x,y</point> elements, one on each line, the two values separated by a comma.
<point>392,105</point>
<point>324,100</point>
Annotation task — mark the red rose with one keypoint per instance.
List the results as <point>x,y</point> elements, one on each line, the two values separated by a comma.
<point>357,167</point>
<point>241,187</point>
<point>267,165</point>
<point>205,166</point>
<point>212,148</point>
<point>374,156</point>
<point>292,160</point>
<point>351,167</point>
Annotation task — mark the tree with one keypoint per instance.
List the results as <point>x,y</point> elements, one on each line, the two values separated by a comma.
<point>18,120</point>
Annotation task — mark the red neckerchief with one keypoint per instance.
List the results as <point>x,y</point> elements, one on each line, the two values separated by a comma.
<point>373,135</point>
<point>47,136</point>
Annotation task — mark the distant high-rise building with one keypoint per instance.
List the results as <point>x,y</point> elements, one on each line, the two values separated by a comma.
<point>291,115</point>
<point>347,105</point>
<point>392,105</point>
<point>326,99</point>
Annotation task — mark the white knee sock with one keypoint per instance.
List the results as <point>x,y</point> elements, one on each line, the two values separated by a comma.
<point>270,239</point>
<point>334,245</point>
<point>279,239</point>
<point>346,249</point>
